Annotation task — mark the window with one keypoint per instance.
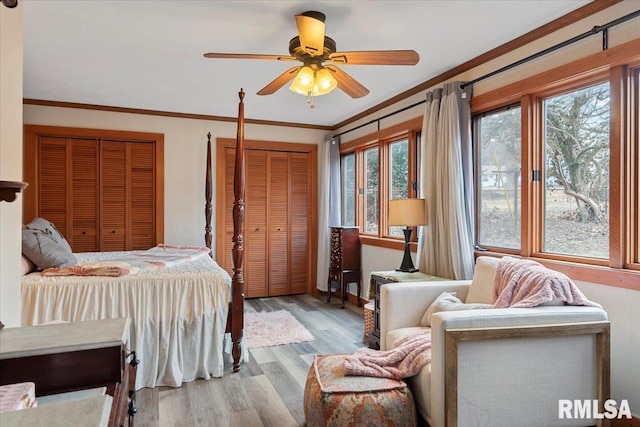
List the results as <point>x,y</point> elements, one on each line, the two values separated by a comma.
<point>348,184</point>
<point>371,191</point>
<point>398,176</point>
<point>375,169</point>
<point>498,177</point>
<point>578,194</point>
<point>576,172</point>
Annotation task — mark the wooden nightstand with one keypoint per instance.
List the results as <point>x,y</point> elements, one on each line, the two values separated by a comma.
<point>379,278</point>
<point>65,357</point>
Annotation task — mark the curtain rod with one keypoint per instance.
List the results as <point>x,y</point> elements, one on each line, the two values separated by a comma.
<point>604,29</point>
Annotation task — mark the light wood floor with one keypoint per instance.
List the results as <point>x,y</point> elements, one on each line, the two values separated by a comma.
<point>268,390</point>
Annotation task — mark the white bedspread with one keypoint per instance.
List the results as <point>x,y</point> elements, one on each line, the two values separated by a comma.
<point>178,314</point>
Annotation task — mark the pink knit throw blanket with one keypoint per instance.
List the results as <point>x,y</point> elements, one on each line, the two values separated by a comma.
<point>408,355</point>
<point>526,283</point>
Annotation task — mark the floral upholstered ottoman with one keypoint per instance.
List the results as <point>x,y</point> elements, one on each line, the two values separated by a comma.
<point>333,399</point>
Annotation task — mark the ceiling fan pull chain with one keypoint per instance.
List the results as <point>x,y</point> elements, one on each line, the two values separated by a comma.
<point>310,100</point>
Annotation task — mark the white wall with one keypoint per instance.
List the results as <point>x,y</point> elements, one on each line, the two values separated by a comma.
<point>185,153</point>
<point>10,161</point>
<point>621,304</point>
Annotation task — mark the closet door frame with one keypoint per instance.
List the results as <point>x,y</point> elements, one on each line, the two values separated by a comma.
<point>32,134</point>
<point>312,149</point>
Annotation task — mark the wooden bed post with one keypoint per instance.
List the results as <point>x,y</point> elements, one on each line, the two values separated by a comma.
<point>208,209</point>
<point>237,283</point>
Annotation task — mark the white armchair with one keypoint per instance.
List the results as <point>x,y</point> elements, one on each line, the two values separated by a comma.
<point>499,367</point>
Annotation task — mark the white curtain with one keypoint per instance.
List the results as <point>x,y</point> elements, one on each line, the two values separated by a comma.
<point>328,203</point>
<point>445,246</point>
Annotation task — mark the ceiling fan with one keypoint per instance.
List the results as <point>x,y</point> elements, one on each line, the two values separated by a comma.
<point>313,48</point>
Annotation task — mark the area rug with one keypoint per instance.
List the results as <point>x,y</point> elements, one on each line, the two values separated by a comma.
<point>269,328</point>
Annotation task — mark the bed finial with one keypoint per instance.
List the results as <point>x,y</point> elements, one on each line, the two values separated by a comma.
<point>241,94</point>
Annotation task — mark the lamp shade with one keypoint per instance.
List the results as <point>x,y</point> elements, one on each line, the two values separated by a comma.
<point>407,212</point>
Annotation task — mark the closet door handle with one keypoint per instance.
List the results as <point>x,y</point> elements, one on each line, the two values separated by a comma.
<point>113,231</point>
<point>84,232</point>
<point>257,229</point>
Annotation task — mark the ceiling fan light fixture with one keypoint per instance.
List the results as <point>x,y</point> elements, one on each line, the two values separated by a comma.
<point>325,81</point>
<point>304,81</point>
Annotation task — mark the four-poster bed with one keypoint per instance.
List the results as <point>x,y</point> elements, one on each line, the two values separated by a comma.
<point>179,314</point>
<point>235,320</point>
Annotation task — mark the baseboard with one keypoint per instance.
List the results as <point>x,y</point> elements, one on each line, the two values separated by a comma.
<point>624,422</point>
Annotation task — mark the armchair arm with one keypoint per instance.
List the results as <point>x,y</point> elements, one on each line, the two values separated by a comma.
<point>403,304</point>
<point>561,365</point>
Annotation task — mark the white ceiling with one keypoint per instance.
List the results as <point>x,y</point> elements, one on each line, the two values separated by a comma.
<point>148,53</point>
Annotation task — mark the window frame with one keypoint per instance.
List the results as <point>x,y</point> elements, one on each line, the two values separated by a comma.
<point>382,139</point>
<point>619,65</point>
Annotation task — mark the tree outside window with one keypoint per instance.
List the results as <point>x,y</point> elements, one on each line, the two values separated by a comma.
<point>576,172</point>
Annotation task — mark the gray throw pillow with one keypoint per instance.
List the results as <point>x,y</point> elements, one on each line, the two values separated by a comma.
<point>43,244</point>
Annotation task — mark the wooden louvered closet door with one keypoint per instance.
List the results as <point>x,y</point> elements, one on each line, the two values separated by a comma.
<point>276,237</point>
<point>299,222</point>
<point>68,182</point>
<point>127,182</point>
<point>100,193</point>
<point>256,188</point>
<point>113,209</point>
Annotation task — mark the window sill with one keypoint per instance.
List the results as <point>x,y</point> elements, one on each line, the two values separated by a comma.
<point>386,243</point>
<point>618,277</point>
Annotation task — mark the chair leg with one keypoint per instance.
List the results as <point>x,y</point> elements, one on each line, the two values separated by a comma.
<point>343,287</point>
<point>329,293</point>
<point>359,289</point>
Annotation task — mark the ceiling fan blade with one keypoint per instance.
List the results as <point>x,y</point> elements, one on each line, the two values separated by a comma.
<point>376,57</point>
<point>348,84</point>
<point>311,32</point>
<point>248,56</point>
<point>279,81</point>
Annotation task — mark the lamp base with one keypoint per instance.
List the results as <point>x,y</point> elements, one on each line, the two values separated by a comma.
<point>407,262</point>
<point>411,270</point>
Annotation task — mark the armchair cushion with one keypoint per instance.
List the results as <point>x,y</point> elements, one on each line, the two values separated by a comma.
<point>481,289</point>
<point>447,301</point>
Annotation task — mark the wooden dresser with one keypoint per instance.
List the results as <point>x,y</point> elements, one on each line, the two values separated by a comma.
<point>344,260</point>
<point>65,357</point>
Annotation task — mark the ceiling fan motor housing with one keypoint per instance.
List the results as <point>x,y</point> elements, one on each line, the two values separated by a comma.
<point>296,50</point>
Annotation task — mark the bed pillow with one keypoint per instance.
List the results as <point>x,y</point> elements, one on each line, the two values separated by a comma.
<point>48,227</point>
<point>43,244</point>
<point>447,301</point>
<point>481,288</point>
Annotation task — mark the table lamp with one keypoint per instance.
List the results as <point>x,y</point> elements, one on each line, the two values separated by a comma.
<point>408,213</point>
